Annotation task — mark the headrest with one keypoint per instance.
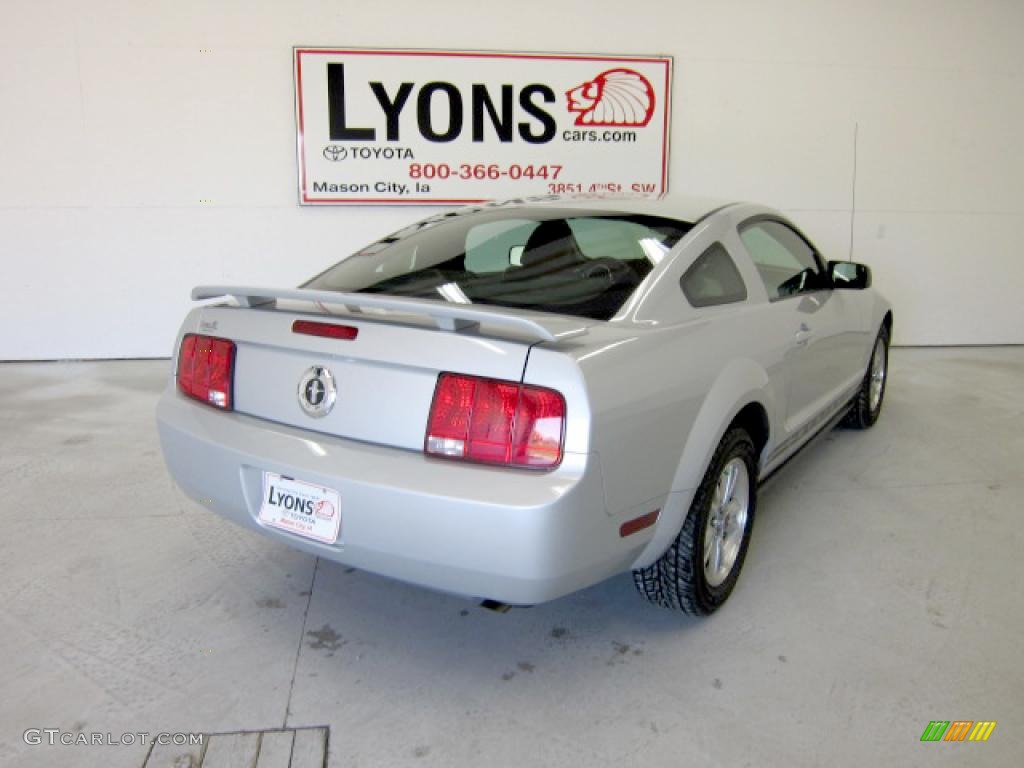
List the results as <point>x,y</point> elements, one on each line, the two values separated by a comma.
<point>550,241</point>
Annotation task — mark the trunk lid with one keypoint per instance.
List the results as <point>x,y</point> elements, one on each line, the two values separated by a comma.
<point>384,377</point>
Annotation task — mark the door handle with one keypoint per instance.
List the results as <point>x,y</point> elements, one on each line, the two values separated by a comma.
<point>802,335</point>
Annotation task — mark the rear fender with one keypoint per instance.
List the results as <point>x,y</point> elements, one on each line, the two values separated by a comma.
<point>739,384</point>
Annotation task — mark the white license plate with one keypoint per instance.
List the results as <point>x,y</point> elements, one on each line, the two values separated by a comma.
<point>301,508</point>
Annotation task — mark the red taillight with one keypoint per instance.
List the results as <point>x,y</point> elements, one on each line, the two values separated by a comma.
<point>327,330</point>
<point>206,368</point>
<point>497,422</point>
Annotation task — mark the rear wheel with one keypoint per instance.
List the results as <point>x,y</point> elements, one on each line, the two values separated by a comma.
<point>868,404</point>
<point>698,572</point>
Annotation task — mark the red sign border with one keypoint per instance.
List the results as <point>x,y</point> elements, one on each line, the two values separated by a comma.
<point>297,52</point>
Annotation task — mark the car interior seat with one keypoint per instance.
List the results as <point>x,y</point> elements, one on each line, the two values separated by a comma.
<point>551,247</point>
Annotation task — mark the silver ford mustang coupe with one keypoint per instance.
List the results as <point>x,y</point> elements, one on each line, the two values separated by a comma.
<point>518,400</point>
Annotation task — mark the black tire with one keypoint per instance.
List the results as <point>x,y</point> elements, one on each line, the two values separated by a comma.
<point>677,579</point>
<point>861,415</point>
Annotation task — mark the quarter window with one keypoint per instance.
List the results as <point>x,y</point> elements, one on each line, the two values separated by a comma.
<point>713,279</point>
<point>784,260</point>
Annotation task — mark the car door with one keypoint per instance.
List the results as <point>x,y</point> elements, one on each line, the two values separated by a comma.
<point>798,285</point>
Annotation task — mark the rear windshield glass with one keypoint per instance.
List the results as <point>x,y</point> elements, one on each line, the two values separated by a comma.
<point>573,262</point>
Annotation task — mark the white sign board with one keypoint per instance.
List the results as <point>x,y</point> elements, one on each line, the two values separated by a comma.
<point>450,127</point>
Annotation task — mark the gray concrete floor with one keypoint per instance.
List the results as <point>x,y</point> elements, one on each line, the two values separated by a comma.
<point>882,591</point>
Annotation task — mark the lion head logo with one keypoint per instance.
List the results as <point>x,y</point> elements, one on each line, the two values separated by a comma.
<point>324,509</point>
<point>614,97</point>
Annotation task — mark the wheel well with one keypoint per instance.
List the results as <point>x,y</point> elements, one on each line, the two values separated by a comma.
<point>887,322</point>
<point>754,419</point>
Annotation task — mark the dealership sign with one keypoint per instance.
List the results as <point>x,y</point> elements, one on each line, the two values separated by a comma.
<point>447,127</point>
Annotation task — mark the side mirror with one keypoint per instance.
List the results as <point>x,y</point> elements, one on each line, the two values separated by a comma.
<point>849,275</point>
<point>515,255</point>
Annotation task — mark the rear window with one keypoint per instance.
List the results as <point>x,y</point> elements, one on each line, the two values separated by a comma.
<point>584,263</point>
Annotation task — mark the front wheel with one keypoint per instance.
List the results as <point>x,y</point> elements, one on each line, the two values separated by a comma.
<point>868,404</point>
<point>698,572</point>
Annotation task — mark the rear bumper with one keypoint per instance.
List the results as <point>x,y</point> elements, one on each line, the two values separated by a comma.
<point>517,536</point>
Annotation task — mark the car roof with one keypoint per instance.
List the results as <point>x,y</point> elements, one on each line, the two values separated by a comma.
<point>688,208</point>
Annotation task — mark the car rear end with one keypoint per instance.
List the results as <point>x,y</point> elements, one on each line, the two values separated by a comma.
<point>423,469</point>
<point>387,416</point>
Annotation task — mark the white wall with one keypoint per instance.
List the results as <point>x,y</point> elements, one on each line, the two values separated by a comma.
<point>115,125</point>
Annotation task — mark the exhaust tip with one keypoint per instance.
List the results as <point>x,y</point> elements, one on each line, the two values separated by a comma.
<point>495,606</point>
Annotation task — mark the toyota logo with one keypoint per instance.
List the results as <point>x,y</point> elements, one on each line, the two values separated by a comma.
<point>317,391</point>
<point>334,153</point>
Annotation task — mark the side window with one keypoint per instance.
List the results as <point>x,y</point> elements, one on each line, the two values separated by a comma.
<point>713,279</point>
<point>489,246</point>
<point>602,238</point>
<point>784,260</point>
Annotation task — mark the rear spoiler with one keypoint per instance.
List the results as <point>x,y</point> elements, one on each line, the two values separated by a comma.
<point>447,317</point>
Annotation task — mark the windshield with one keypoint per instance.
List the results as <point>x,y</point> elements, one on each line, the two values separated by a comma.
<point>584,263</point>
